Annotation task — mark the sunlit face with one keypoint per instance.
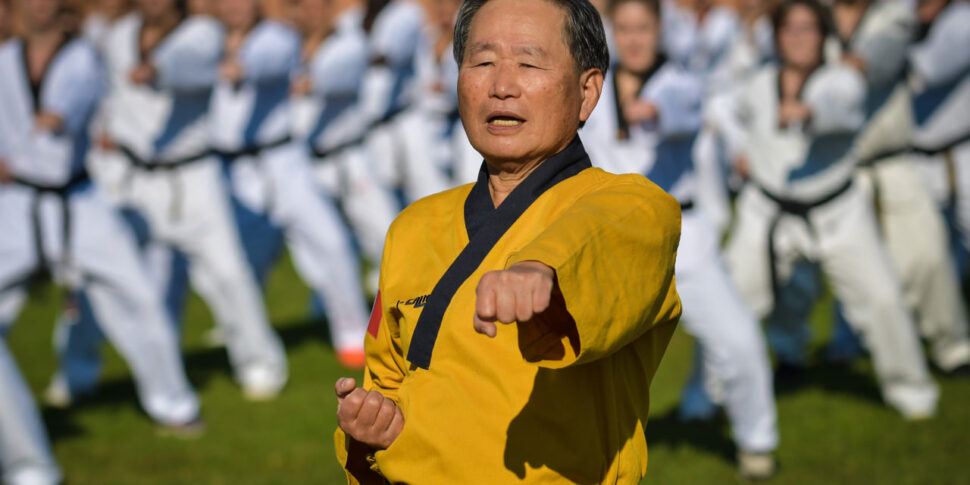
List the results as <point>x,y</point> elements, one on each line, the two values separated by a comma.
<point>521,97</point>
<point>636,30</point>
<point>800,38</point>
<point>41,13</point>
<point>237,14</point>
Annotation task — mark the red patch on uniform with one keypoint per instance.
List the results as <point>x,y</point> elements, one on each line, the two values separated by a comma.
<point>376,315</point>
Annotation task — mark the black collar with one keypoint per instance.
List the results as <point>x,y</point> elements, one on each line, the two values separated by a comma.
<point>478,206</point>
<point>486,225</point>
<point>622,127</point>
<point>36,86</point>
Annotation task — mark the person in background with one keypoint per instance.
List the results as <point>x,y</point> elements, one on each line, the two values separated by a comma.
<point>397,139</point>
<point>59,226</point>
<point>647,123</point>
<point>333,127</point>
<point>251,129</point>
<point>939,79</point>
<point>801,202</point>
<point>162,66</point>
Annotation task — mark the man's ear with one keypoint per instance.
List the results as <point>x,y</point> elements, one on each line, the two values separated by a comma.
<point>590,85</point>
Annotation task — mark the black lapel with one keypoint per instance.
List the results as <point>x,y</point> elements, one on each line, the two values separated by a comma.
<point>36,87</point>
<point>487,224</point>
<point>623,128</point>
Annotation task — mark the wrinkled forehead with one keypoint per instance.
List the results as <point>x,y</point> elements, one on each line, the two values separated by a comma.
<point>534,28</point>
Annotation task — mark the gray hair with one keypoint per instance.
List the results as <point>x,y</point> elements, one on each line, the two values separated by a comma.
<point>583,34</point>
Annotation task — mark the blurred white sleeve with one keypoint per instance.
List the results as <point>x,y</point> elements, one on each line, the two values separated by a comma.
<point>191,61</point>
<point>945,53</point>
<point>836,96</point>
<point>273,53</point>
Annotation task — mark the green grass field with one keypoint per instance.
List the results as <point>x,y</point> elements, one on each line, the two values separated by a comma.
<point>834,428</point>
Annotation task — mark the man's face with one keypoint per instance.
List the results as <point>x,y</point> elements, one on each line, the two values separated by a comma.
<point>520,95</point>
<point>636,30</point>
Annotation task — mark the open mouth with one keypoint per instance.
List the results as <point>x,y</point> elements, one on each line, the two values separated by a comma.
<point>505,121</point>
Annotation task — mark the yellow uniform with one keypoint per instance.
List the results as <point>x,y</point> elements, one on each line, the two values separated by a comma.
<point>490,411</point>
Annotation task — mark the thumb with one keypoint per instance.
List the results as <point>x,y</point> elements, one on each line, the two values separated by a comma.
<point>344,386</point>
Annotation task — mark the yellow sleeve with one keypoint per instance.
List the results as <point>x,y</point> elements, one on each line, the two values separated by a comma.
<point>384,372</point>
<point>613,252</point>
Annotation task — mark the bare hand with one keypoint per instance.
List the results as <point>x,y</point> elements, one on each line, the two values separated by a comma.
<point>367,417</point>
<point>640,111</point>
<point>143,73</point>
<point>793,111</point>
<point>105,142</point>
<point>855,61</point>
<point>6,176</point>
<point>231,71</point>
<point>741,166</point>
<point>513,295</point>
<point>47,121</point>
<point>302,86</point>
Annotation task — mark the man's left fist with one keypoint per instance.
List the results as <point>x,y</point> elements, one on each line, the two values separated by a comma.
<point>517,294</point>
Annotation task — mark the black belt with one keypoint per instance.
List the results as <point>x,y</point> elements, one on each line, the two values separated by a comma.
<point>158,165</point>
<point>254,151</point>
<point>325,154</point>
<point>322,155</point>
<point>169,167</point>
<point>798,209</point>
<point>62,192</point>
<point>686,206</point>
<point>924,150</point>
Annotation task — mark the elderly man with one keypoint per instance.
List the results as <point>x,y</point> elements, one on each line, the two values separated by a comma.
<point>521,318</point>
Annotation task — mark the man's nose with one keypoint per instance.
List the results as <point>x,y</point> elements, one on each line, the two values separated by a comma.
<point>505,83</point>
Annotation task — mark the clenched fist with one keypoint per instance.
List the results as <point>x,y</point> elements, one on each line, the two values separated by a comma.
<point>514,295</point>
<point>367,417</point>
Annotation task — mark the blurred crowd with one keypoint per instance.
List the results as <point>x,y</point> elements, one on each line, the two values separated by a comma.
<point>153,146</point>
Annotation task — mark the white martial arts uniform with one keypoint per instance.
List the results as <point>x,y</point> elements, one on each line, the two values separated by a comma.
<point>399,140</point>
<point>702,46</point>
<point>940,80</point>
<point>333,127</point>
<point>801,204</point>
<point>733,348</point>
<point>168,173</point>
<point>25,454</point>
<point>251,128</point>
<point>698,46</point>
<point>53,219</point>
<point>912,227</point>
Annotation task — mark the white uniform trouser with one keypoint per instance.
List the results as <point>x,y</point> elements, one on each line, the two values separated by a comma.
<point>918,244</point>
<point>937,170</point>
<point>25,453</point>
<point>731,343</point>
<point>842,237</point>
<point>188,208</point>
<point>405,151</point>
<point>280,183</point>
<point>348,176</point>
<point>105,263</point>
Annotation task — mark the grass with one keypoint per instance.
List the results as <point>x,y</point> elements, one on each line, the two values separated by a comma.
<point>833,427</point>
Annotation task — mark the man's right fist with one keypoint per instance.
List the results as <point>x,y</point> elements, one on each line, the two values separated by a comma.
<point>367,417</point>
